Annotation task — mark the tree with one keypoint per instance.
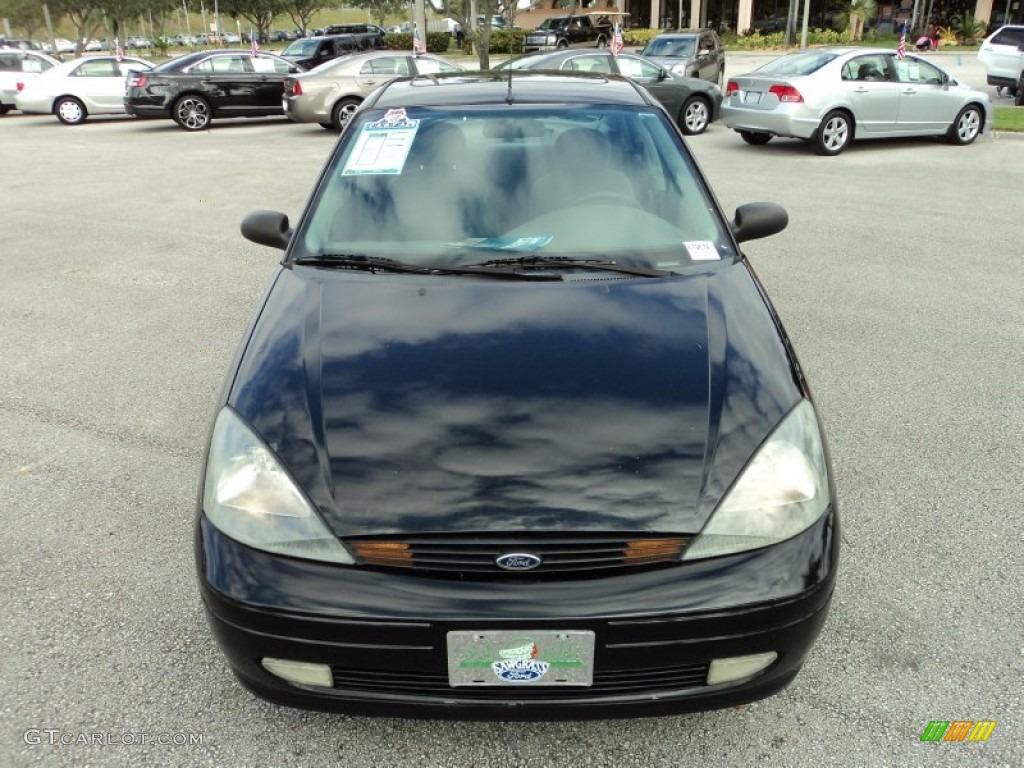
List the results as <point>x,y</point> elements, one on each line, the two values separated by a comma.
<point>23,14</point>
<point>84,15</point>
<point>859,13</point>
<point>301,11</point>
<point>259,13</point>
<point>381,9</point>
<point>461,11</point>
<point>119,12</point>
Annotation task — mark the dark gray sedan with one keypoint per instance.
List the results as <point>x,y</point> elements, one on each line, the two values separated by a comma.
<point>693,103</point>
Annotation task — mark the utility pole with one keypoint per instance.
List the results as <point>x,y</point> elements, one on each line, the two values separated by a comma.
<point>49,29</point>
<point>420,14</point>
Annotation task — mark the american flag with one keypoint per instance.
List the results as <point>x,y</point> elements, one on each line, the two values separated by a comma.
<point>417,43</point>
<point>901,49</point>
<point>118,50</point>
<point>255,47</point>
<point>616,44</point>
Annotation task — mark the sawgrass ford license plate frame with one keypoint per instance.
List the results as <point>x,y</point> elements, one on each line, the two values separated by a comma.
<point>517,658</point>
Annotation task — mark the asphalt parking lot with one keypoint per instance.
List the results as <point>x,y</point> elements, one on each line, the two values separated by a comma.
<point>125,286</point>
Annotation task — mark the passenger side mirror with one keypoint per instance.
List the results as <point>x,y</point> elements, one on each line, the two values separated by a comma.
<point>269,228</point>
<point>755,220</point>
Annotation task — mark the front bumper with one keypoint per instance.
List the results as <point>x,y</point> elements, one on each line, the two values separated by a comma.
<point>781,121</point>
<point>384,635</point>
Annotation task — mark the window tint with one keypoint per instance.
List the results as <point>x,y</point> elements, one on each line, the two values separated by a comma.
<point>867,69</point>
<point>1009,36</point>
<point>221,64</point>
<point>797,63</point>
<point>11,62</point>
<point>97,68</point>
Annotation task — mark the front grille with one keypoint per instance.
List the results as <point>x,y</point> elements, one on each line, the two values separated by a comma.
<point>476,556</point>
<point>609,682</point>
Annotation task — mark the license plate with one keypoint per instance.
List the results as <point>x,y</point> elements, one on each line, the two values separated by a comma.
<point>514,657</point>
<point>752,97</point>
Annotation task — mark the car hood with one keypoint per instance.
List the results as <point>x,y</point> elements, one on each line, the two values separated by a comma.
<point>405,405</point>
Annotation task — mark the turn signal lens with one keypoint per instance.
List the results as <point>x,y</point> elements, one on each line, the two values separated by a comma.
<point>652,550</point>
<point>391,553</point>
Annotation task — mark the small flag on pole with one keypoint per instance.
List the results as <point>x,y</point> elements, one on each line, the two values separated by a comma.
<point>417,42</point>
<point>616,44</point>
<point>254,48</point>
<point>901,49</point>
<point>118,50</point>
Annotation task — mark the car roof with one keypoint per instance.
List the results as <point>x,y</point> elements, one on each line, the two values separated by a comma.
<point>482,88</point>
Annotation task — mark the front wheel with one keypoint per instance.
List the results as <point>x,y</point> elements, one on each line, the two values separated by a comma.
<point>562,45</point>
<point>5,108</point>
<point>755,138</point>
<point>342,113</point>
<point>834,134</point>
<point>966,127</point>
<point>191,113</point>
<point>69,110</point>
<point>695,116</point>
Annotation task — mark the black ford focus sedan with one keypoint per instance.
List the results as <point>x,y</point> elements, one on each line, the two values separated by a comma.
<point>515,431</point>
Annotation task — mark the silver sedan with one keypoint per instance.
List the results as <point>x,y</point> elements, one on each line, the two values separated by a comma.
<point>73,90</point>
<point>831,96</point>
<point>332,92</point>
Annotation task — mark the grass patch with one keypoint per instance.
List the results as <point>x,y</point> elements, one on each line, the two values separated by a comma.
<point>1009,119</point>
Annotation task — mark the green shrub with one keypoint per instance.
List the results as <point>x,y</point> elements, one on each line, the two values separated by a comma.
<point>437,42</point>
<point>507,40</point>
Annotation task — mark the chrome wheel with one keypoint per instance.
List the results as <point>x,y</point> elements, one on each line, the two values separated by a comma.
<point>696,116</point>
<point>69,111</point>
<point>192,113</point>
<point>967,126</point>
<point>835,133</point>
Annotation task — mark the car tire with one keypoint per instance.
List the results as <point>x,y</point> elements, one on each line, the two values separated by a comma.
<point>695,116</point>
<point>69,110</point>
<point>756,138</point>
<point>966,127</point>
<point>561,45</point>
<point>834,134</point>
<point>1018,97</point>
<point>5,108</point>
<point>327,126</point>
<point>343,112</point>
<point>191,112</point>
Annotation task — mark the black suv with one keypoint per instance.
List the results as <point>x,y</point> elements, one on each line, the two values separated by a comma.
<point>370,36</point>
<point>310,52</point>
<point>697,53</point>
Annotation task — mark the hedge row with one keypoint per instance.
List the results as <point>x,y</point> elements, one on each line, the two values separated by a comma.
<point>437,42</point>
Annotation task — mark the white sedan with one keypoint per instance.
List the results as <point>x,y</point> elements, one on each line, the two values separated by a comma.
<point>72,91</point>
<point>19,66</point>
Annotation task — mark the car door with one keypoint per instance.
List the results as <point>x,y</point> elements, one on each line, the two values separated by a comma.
<point>269,73</point>
<point>98,83</point>
<point>869,86</point>
<point>227,81</point>
<point>927,106</point>
<point>670,92</point>
<point>381,69</point>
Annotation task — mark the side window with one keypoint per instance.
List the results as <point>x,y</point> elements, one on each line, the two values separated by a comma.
<point>431,66</point>
<point>97,68</point>
<point>912,70</point>
<point>266,65</point>
<point>386,65</point>
<point>128,65</point>
<point>589,64</point>
<point>35,64</point>
<point>230,64</point>
<point>638,69</point>
<point>1010,36</point>
<point>14,63</point>
<point>866,69</point>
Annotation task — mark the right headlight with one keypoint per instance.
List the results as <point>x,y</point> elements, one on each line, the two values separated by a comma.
<point>251,498</point>
<point>782,491</point>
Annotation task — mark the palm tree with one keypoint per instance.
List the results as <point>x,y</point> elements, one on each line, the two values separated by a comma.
<point>859,13</point>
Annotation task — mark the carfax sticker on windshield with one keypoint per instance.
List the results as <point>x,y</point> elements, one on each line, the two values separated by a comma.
<point>702,250</point>
<point>382,146</point>
<point>516,244</point>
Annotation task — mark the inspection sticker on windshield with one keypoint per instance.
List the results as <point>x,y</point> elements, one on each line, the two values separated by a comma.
<point>702,250</point>
<point>516,244</point>
<point>383,145</point>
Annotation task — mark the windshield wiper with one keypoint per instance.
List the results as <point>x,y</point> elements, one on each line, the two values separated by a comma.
<point>563,262</point>
<point>374,264</point>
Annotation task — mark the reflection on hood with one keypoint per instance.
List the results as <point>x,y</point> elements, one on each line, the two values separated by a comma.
<point>434,405</point>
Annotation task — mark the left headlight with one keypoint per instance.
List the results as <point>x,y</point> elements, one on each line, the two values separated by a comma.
<point>250,497</point>
<point>783,490</point>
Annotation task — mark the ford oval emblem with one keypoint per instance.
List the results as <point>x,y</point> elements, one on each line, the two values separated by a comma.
<point>517,561</point>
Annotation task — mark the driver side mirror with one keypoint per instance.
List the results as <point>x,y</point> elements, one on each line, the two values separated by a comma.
<point>663,74</point>
<point>755,220</point>
<point>269,228</point>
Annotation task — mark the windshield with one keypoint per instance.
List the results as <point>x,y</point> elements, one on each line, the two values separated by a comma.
<point>449,187</point>
<point>797,63</point>
<point>301,48</point>
<point>682,48</point>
